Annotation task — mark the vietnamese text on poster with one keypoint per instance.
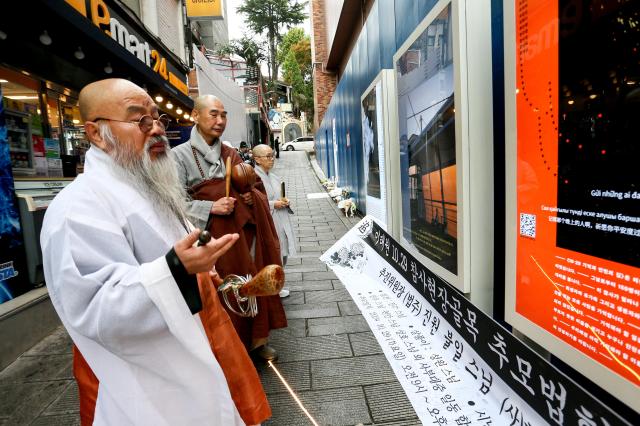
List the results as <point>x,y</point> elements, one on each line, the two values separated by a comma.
<point>578,180</point>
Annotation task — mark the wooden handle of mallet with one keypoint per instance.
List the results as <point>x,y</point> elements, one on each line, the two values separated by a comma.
<point>228,165</point>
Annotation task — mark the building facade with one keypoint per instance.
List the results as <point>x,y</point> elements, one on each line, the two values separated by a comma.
<point>480,132</point>
<point>212,33</point>
<point>43,66</point>
<point>324,80</point>
<point>211,81</point>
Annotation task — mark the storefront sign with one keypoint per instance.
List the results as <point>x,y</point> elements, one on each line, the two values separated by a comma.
<point>574,286</point>
<point>457,365</point>
<point>204,9</point>
<point>132,40</point>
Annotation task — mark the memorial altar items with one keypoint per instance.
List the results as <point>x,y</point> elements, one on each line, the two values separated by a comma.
<point>348,206</point>
<point>336,194</point>
<point>329,184</point>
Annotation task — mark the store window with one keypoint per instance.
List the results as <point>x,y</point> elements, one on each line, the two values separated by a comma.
<point>44,131</point>
<point>73,139</point>
<point>23,121</point>
<point>67,129</point>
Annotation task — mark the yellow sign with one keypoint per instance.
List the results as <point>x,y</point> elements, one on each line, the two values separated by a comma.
<point>204,9</point>
<point>79,5</point>
<point>178,83</point>
<point>103,18</point>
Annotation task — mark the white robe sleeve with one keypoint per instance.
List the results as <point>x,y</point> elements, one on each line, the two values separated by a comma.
<point>98,283</point>
<point>197,210</point>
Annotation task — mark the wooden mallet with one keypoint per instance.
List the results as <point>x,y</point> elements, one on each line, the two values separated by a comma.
<point>228,165</point>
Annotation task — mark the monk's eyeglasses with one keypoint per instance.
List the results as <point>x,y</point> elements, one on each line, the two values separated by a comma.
<point>145,123</point>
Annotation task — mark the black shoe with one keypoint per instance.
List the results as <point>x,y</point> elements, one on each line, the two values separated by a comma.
<point>265,353</point>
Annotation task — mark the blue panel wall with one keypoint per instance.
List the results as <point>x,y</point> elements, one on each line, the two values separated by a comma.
<point>387,32</point>
<point>373,42</point>
<point>388,25</point>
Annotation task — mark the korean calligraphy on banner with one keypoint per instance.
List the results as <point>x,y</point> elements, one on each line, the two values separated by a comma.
<point>457,365</point>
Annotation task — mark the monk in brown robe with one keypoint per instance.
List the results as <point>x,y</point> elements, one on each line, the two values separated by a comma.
<point>201,166</point>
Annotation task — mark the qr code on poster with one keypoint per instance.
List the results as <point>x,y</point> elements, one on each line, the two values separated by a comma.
<point>528,225</point>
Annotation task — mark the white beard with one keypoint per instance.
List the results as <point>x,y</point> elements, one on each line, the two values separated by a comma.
<point>156,179</point>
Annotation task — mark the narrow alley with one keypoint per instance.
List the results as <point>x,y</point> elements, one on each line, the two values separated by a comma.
<point>328,354</point>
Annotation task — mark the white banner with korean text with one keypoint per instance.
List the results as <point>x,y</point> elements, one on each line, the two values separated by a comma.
<point>456,365</point>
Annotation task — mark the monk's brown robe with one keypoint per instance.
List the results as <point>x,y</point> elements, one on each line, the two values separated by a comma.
<point>242,378</point>
<point>249,222</point>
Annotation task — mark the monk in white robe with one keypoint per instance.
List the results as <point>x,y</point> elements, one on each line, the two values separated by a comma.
<point>265,159</point>
<point>278,204</point>
<point>120,264</point>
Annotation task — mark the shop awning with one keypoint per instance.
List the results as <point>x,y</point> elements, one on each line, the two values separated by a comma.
<point>70,32</point>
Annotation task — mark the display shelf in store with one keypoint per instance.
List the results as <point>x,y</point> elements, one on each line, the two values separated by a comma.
<point>20,145</point>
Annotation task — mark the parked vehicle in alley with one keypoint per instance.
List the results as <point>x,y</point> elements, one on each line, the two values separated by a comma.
<point>303,143</point>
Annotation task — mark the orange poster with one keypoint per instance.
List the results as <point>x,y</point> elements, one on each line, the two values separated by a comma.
<point>578,176</point>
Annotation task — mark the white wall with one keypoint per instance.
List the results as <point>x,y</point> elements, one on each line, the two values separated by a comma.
<point>215,32</point>
<point>164,18</point>
<point>212,82</point>
<point>170,25</point>
<point>332,11</point>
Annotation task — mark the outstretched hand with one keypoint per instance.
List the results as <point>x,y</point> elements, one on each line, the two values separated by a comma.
<point>202,258</point>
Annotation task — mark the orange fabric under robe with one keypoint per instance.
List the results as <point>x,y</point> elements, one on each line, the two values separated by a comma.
<point>242,378</point>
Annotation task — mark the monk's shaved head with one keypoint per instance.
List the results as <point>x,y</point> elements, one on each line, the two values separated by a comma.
<point>263,155</point>
<point>106,95</point>
<point>261,150</point>
<point>205,101</point>
<point>210,117</point>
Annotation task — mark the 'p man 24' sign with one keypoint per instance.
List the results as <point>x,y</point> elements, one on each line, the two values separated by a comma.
<point>114,26</point>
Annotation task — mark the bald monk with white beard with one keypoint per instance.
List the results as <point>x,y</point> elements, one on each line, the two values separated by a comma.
<point>153,344</point>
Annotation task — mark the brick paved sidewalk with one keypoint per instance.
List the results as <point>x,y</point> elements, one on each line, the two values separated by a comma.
<point>328,353</point>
